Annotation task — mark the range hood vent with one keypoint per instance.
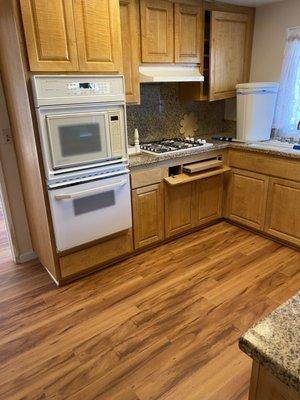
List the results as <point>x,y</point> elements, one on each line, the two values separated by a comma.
<point>169,73</point>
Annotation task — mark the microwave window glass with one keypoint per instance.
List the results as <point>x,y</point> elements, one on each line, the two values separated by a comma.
<point>94,202</point>
<point>79,139</point>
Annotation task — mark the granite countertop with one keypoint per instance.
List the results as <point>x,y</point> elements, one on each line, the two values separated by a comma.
<point>275,342</point>
<point>136,160</point>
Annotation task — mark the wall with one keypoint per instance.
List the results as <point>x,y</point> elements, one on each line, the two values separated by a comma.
<point>161,111</point>
<point>271,23</point>
<point>17,216</point>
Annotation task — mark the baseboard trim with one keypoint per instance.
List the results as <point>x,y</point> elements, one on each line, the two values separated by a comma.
<point>24,257</point>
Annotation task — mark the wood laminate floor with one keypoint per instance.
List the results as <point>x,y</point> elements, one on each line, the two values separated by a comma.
<point>162,325</point>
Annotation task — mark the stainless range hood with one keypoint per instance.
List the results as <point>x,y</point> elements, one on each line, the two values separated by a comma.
<point>169,73</point>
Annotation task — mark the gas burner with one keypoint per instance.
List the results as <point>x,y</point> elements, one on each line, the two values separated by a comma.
<point>173,145</point>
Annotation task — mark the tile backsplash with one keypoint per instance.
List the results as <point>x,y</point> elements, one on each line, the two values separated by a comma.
<point>160,112</point>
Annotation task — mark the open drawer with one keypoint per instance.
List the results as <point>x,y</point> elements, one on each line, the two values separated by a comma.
<point>186,178</point>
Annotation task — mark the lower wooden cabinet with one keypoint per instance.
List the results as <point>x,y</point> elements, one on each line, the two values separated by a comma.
<point>208,205</point>
<point>283,210</point>
<point>179,207</point>
<point>148,215</point>
<point>192,204</point>
<point>247,198</point>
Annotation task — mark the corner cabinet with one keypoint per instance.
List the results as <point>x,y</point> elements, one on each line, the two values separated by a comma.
<point>171,32</point>
<point>247,198</point>
<point>283,210</point>
<point>72,35</point>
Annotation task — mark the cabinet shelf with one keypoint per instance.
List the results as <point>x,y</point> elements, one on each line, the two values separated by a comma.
<point>185,178</point>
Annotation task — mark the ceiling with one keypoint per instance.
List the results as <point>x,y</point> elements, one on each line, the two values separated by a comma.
<point>251,3</point>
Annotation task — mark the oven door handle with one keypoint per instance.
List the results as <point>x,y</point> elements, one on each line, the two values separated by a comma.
<point>88,192</point>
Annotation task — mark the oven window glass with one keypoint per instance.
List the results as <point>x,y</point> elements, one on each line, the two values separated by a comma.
<point>79,139</point>
<point>94,202</point>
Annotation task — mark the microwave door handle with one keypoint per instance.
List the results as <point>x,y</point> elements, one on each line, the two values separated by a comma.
<point>88,192</point>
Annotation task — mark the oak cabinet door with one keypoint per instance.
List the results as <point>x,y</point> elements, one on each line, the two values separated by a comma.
<point>148,215</point>
<point>130,48</point>
<point>50,35</point>
<point>208,199</point>
<point>230,49</point>
<point>157,31</point>
<point>98,35</point>
<point>188,33</point>
<point>179,205</point>
<point>247,198</point>
<point>283,210</point>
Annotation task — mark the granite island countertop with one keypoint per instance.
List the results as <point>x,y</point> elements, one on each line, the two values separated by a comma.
<point>145,159</point>
<point>275,342</point>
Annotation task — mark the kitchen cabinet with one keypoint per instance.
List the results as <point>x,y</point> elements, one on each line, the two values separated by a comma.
<point>179,206</point>
<point>50,35</point>
<point>157,31</point>
<point>171,32</point>
<point>148,212</point>
<point>129,12</point>
<point>228,34</point>
<point>247,198</point>
<point>208,204</point>
<point>188,33</point>
<point>283,210</point>
<point>78,35</point>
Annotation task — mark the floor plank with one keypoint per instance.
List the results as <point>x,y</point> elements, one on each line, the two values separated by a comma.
<point>162,325</point>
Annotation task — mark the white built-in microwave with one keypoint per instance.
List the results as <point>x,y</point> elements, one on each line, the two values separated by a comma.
<point>85,137</point>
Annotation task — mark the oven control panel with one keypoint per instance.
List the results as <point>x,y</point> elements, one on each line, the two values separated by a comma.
<point>62,90</point>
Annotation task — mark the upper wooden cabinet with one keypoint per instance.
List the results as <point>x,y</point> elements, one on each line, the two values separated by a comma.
<point>50,34</point>
<point>188,33</point>
<point>230,53</point>
<point>130,32</point>
<point>171,32</point>
<point>72,35</point>
<point>157,31</point>
<point>98,35</point>
<point>226,55</point>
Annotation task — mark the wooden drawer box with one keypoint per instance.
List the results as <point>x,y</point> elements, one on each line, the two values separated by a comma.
<point>93,256</point>
<point>286,168</point>
<point>147,177</point>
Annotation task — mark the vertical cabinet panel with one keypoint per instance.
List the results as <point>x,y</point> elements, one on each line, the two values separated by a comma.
<point>283,210</point>
<point>247,200</point>
<point>148,216</point>
<point>209,199</point>
<point>130,48</point>
<point>230,53</point>
<point>157,31</point>
<point>98,35</point>
<point>179,204</point>
<point>188,33</point>
<point>50,34</point>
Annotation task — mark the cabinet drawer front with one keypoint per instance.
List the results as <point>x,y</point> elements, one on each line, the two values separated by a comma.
<point>148,215</point>
<point>101,253</point>
<point>247,201</point>
<point>263,163</point>
<point>147,177</point>
<point>50,35</point>
<point>157,31</point>
<point>283,210</point>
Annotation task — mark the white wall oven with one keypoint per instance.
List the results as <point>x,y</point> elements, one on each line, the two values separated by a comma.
<point>82,128</point>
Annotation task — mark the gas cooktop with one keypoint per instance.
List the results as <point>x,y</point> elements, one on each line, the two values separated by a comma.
<point>173,145</point>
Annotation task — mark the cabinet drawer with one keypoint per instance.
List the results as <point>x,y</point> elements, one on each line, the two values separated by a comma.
<point>283,210</point>
<point>101,253</point>
<point>147,177</point>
